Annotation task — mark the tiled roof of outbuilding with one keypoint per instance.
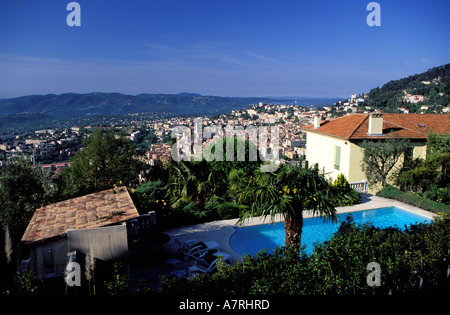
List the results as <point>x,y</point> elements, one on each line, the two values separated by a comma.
<point>90,211</point>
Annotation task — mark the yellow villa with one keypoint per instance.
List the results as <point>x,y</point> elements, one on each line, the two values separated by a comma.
<point>335,145</point>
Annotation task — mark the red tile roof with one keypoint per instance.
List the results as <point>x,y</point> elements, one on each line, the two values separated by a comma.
<point>408,126</point>
<point>90,211</point>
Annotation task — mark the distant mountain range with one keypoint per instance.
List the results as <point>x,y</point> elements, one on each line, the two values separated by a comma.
<point>74,104</point>
<point>433,84</point>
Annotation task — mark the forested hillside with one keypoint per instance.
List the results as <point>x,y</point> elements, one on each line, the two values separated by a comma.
<point>433,85</point>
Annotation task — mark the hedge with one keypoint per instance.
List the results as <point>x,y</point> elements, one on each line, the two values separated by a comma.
<point>413,199</point>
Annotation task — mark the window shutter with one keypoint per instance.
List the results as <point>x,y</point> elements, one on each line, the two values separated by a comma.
<point>337,157</point>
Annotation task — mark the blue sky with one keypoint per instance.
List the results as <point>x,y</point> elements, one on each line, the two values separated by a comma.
<point>216,47</point>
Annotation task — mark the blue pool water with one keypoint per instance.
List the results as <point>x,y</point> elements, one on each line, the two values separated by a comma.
<point>251,239</point>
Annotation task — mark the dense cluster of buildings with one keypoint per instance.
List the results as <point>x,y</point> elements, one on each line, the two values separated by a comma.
<point>46,146</point>
<point>50,146</point>
<point>289,119</point>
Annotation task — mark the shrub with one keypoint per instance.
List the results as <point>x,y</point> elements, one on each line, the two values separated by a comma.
<point>185,214</point>
<point>225,209</point>
<point>413,199</point>
<point>341,193</point>
<point>24,285</point>
<point>438,194</point>
<point>119,285</point>
<point>341,182</point>
<point>280,272</point>
<point>342,198</point>
<point>400,254</point>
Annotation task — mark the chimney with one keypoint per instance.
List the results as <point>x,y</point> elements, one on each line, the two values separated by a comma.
<point>316,119</point>
<point>375,125</point>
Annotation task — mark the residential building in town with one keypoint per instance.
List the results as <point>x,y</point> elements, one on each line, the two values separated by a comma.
<point>335,145</point>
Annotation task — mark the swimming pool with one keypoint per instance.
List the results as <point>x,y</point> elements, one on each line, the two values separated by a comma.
<point>251,239</point>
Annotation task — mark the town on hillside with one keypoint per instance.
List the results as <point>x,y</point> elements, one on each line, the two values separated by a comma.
<point>52,149</point>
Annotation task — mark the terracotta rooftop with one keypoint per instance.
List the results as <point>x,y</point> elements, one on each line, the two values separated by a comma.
<point>90,211</point>
<point>408,126</point>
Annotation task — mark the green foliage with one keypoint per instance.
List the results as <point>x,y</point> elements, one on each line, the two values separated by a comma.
<point>150,196</point>
<point>145,139</point>
<point>23,189</point>
<point>345,256</point>
<point>438,194</point>
<point>438,155</point>
<point>341,198</point>
<point>222,169</point>
<point>418,176</point>
<point>341,182</point>
<point>225,209</point>
<point>429,177</point>
<point>380,158</point>
<point>191,181</point>
<point>438,143</point>
<point>342,195</point>
<point>24,285</point>
<point>105,161</point>
<point>263,273</point>
<point>119,284</point>
<point>413,199</point>
<point>337,266</point>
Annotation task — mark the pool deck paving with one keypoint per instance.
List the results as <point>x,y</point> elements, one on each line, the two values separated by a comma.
<point>167,261</point>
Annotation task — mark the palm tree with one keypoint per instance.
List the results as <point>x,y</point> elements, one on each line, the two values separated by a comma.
<point>190,181</point>
<point>286,193</point>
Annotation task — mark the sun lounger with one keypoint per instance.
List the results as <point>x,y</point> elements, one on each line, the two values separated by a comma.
<point>196,248</point>
<point>208,263</point>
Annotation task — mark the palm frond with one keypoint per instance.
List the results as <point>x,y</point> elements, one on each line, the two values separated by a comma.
<point>287,193</point>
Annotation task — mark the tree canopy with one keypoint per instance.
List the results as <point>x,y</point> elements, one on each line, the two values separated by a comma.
<point>380,158</point>
<point>105,160</point>
<point>23,189</point>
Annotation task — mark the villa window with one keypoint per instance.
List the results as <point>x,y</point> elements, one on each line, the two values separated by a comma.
<point>337,158</point>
